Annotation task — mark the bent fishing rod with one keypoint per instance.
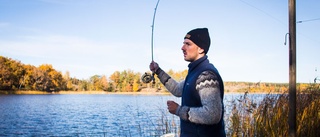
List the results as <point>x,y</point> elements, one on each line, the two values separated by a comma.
<point>147,77</point>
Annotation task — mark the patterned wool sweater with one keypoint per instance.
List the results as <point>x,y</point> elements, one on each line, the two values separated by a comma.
<point>209,90</point>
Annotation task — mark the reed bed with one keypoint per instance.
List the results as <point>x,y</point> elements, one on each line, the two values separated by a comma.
<point>270,116</point>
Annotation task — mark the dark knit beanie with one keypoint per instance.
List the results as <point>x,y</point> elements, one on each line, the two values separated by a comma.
<point>200,37</point>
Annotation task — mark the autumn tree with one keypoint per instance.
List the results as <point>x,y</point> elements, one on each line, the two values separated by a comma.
<point>115,79</point>
<point>68,80</point>
<point>48,79</point>
<point>29,77</point>
<point>136,82</point>
<point>98,83</point>
<point>11,73</point>
<point>5,74</point>
<point>104,85</point>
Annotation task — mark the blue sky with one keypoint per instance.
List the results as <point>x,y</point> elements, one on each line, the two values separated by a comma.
<point>103,36</point>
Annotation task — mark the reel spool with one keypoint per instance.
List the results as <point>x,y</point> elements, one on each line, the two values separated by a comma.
<point>147,78</point>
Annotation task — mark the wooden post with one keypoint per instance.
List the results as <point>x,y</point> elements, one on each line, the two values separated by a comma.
<point>292,68</point>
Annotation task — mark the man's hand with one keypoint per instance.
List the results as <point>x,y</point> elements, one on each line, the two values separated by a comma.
<point>172,106</point>
<point>154,66</point>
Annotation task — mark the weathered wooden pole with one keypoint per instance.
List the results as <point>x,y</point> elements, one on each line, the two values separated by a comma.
<point>292,68</point>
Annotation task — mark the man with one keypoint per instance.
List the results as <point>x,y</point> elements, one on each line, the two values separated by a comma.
<point>201,110</point>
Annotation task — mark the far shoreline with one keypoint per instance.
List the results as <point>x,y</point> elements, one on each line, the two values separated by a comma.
<point>105,92</point>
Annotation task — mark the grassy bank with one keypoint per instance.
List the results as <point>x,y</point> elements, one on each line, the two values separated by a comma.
<point>80,92</point>
<point>103,92</point>
<point>23,92</point>
<point>270,116</point>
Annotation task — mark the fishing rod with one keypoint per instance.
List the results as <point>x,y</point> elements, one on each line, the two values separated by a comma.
<point>147,77</point>
<point>154,17</point>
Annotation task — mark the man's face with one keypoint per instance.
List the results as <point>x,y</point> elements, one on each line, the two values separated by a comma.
<point>191,51</point>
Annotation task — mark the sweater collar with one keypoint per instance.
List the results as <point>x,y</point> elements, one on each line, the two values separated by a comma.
<point>194,64</point>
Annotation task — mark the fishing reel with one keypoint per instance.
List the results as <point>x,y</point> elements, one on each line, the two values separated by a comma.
<point>147,78</point>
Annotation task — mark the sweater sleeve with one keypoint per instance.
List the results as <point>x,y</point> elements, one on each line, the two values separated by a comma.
<point>171,85</point>
<point>208,87</point>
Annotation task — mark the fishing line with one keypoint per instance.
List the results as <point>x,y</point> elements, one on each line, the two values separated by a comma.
<point>147,77</point>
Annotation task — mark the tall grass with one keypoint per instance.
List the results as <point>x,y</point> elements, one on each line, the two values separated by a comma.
<point>270,116</point>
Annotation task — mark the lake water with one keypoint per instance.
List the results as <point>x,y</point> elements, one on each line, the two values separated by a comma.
<point>88,115</point>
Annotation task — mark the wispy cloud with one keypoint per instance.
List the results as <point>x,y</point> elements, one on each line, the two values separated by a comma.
<point>4,24</point>
<point>62,2</point>
<point>74,54</point>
